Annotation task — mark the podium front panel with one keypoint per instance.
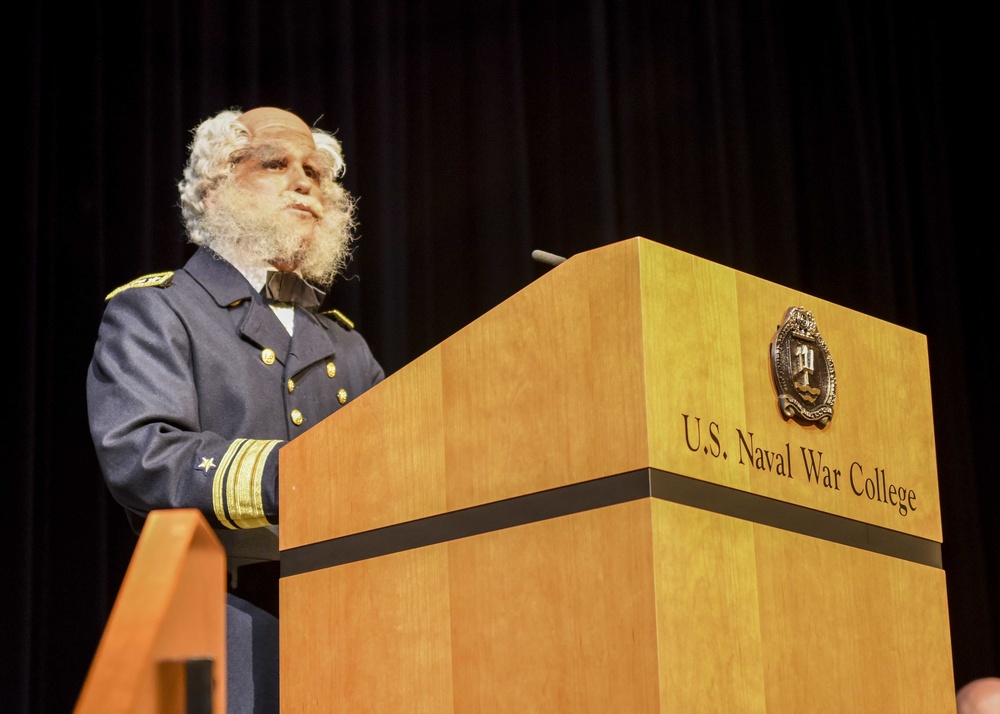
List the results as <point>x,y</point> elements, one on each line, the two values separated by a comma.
<point>645,606</point>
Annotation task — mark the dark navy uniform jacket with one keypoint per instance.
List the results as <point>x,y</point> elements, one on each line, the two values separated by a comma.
<point>194,386</point>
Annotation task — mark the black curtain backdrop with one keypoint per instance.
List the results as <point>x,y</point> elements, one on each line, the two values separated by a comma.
<point>838,148</point>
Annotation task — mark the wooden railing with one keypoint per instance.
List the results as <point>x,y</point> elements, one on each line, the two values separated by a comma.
<point>164,647</point>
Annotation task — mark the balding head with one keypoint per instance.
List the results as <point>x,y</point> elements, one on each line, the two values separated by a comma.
<point>221,152</point>
<point>980,696</point>
<point>271,122</point>
<point>221,140</point>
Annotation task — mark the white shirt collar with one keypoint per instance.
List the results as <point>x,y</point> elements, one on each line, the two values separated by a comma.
<point>256,274</point>
<point>255,271</point>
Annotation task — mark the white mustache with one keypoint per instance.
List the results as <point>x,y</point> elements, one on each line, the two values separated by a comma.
<point>306,203</point>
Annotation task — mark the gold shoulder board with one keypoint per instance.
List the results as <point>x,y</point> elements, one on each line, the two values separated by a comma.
<point>153,280</point>
<point>341,318</point>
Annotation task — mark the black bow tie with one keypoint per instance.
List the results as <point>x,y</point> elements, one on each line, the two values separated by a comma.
<point>281,286</point>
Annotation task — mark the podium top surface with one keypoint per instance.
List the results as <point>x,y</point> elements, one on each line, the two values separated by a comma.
<point>630,356</point>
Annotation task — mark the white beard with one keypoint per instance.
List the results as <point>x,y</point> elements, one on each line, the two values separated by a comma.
<point>253,229</point>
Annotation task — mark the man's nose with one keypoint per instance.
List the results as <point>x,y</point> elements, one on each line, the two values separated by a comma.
<point>300,182</point>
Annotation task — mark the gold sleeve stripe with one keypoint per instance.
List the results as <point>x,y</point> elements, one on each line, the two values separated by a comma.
<point>219,484</point>
<point>244,481</point>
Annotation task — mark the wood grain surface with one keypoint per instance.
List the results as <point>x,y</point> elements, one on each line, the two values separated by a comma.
<point>646,606</point>
<point>575,378</point>
<point>171,607</point>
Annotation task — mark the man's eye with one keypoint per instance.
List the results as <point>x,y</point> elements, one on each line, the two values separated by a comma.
<point>312,173</point>
<point>272,164</point>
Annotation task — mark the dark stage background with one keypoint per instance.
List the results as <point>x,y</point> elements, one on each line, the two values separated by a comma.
<point>834,147</point>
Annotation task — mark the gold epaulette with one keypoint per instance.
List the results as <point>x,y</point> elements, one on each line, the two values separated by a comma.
<point>153,280</point>
<point>341,318</point>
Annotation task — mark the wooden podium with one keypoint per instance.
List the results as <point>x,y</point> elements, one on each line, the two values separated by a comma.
<point>589,500</point>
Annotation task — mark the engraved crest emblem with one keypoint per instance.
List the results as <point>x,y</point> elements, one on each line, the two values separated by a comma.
<point>803,369</point>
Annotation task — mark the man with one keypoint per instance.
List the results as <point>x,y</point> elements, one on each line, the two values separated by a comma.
<point>200,375</point>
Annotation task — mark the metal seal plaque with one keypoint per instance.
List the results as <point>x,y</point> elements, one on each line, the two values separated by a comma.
<point>803,369</point>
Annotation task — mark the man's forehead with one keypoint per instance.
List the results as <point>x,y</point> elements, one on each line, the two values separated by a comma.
<point>271,122</point>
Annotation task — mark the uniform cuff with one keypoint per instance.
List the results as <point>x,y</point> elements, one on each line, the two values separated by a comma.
<point>237,491</point>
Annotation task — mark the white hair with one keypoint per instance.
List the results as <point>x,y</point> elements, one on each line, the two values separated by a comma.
<point>219,144</point>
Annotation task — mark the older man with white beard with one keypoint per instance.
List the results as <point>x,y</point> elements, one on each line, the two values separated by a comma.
<point>200,374</point>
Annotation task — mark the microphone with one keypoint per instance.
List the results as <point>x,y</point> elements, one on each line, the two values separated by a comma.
<point>548,258</point>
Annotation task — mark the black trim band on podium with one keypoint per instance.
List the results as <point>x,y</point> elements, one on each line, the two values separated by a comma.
<point>599,493</point>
